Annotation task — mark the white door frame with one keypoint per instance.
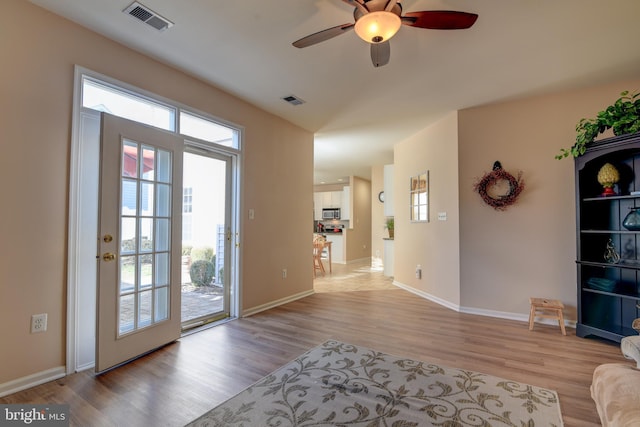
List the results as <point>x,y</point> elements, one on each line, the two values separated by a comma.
<point>83,223</point>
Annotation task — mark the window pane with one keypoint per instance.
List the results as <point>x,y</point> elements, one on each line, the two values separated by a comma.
<point>122,104</point>
<point>207,130</point>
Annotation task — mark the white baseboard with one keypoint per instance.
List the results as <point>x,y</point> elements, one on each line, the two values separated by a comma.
<point>32,380</point>
<point>480,311</point>
<point>428,296</point>
<point>253,310</point>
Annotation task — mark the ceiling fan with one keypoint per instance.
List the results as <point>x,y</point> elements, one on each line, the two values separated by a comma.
<point>376,21</point>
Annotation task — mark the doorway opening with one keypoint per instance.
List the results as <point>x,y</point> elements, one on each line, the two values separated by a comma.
<point>205,236</point>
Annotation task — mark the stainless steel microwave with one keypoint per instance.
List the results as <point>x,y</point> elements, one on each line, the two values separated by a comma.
<point>331,213</point>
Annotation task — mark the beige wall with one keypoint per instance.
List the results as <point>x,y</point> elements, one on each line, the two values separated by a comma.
<point>482,260</point>
<point>433,245</point>
<point>36,86</point>
<point>378,232</point>
<point>528,250</point>
<point>359,238</point>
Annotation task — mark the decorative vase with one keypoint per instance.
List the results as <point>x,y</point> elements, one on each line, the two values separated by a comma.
<point>632,220</point>
<point>608,176</point>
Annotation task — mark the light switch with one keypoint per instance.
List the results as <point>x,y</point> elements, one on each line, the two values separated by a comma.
<point>252,214</point>
<point>442,216</point>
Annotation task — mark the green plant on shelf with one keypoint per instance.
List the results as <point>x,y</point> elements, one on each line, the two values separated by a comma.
<point>623,117</point>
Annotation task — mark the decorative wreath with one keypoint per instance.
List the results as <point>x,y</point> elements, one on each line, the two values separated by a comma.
<point>502,202</point>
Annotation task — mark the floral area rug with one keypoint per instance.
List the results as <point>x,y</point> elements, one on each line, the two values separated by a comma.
<point>346,385</point>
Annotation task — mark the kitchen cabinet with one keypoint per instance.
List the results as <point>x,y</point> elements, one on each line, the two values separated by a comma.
<point>608,264</point>
<point>335,199</point>
<point>331,199</point>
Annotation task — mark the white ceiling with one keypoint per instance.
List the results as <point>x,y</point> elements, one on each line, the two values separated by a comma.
<point>357,112</point>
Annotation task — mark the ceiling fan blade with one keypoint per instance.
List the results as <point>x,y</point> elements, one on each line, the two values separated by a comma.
<point>323,35</point>
<point>380,53</point>
<point>440,19</point>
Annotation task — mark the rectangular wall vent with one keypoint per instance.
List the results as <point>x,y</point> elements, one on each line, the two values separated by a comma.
<point>293,100</point>
<point>148,16</point>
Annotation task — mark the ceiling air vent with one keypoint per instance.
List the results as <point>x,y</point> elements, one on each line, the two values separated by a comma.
<point>293,100</point>
<point>148,16</point>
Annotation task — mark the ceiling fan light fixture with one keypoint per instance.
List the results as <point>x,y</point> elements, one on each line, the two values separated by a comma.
<point>377,27</point>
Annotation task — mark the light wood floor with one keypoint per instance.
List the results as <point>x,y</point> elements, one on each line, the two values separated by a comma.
<point>179,382</point>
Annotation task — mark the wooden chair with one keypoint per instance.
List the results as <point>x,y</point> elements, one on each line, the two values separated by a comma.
<point>318,245</point>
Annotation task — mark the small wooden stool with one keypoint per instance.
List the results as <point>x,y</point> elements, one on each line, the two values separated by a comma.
<point>549,308</point>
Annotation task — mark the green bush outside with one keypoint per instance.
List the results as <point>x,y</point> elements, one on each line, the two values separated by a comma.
<point>201,272</point>
<point>203,252</point>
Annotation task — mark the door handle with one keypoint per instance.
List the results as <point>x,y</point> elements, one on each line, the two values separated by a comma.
<point>108,256</point>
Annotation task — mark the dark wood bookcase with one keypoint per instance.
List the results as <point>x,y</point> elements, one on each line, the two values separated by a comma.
<point>608,290</point>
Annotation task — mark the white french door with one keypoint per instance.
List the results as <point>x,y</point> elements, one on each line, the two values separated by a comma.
<point>139,271</point>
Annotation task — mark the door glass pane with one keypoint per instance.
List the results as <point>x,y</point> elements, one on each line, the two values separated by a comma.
<point>129,197</point>
<point>164,166</point>
<point>146,271</point>
<point>163,203</point>
<point>144,309</point>
<point>146,198</point>
<point>162,304</point>
<point>127,274</point>
<point>126,314</point>
<point>148,163</point>
<point>162,234</point>
<point>162,269</point>
<point>146,232</point>
<point>128,242</point>
<point>130,159</point>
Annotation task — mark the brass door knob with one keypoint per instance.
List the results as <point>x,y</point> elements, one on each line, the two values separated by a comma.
<point>108,256</point>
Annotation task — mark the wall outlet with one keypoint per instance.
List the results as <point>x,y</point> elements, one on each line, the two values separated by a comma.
<point>38,323</point>
<point>284,273</point>
<point>418,272</point>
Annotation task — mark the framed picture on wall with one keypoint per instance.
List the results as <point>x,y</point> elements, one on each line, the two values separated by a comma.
<point>419,197</point>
